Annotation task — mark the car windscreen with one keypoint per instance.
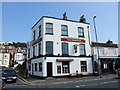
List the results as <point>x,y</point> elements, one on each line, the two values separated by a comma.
<point>9,72</point>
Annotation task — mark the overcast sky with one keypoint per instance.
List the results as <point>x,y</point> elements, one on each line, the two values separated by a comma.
<point>19,17</point>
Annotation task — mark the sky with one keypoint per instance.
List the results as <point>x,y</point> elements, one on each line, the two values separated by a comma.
<point>19,17</point>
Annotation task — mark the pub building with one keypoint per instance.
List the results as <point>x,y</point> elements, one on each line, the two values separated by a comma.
<point>59,47</point>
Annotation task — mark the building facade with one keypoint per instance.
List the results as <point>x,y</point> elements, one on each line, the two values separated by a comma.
<point>59,47</point>
<point>108,55</point>
<point>9,54</point>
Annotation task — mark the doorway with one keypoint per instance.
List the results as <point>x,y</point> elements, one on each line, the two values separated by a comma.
<point>49,69</point>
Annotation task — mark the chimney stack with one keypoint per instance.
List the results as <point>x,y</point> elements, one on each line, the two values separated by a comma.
<point>82,19</point>
<point>109,42</point>
<point>64,16</point>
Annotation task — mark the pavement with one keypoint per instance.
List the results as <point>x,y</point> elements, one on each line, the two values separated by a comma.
<point>32,80</point>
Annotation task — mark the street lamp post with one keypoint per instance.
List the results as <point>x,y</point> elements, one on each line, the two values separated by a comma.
<point>99,63</point>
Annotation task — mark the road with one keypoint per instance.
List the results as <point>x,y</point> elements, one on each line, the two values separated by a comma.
<point>95,83</point>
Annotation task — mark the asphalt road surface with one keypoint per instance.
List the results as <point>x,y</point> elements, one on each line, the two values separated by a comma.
<point>96,83</point>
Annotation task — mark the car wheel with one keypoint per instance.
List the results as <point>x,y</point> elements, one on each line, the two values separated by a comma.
<point>14,81</point>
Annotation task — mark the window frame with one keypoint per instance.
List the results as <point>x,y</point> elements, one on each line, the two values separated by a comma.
<point>66,50</point>
<point>84,50</point>
<point>49,28</point>
<point>83,66</point>
<point>80,31</point>
<point>39,30</point>
<point>35,66</point>
<point>68,66</point>
<point>49,48</point>
<point>39,49</point>
<point>34,32</point>
<point>63,30</point>
<point>33,51</point>
<point>40,68</point>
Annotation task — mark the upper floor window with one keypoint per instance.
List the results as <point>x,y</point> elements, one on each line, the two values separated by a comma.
<point>82,49</point>
<point>39,30</point>
<point>39,48</point>
<point>101,51</point>
<point>49,28</point>
<point>29,53</point>
<point>80,32</point>
<point>34,35</point>
<point>64,48</point>
<point>33,51</point>
<point>64,30</point>
<point>49,48</point>
<point>111,51</point>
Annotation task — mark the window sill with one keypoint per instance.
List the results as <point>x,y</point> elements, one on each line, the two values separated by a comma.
<point>82,55</point>
<point>49,33</point>
<point>64,35</point>
<point>81,36</point>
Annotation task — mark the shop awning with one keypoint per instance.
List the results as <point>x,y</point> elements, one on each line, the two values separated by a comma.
<point>61,60</point>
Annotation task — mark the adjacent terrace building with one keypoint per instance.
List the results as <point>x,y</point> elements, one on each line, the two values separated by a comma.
<point>59,47</point>
<point>108,55</point>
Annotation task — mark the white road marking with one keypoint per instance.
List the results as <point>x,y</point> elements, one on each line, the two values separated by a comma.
<point>97,84</point>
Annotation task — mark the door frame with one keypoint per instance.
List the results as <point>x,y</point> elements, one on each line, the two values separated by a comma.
<point>50,68</point>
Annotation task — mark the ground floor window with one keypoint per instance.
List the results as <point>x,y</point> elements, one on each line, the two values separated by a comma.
<point>40,66</point>
<point>83,66</point>
<point>105,66</point>
<point>58,69</point>
<point>65,67</point>
<point>29,66</point>
<point>35,66</point>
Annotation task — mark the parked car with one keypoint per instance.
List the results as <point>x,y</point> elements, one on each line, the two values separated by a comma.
<point>9,75</point>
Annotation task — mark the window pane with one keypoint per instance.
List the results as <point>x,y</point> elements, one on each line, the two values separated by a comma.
<point>58,69</point>
<point>80,32</point>
<point>39,49</point>
<point>40,67</point>
<point>65,67</point>
<point>49,48</point>
<point>64,48</point>
<point>82,49</point>
<point>83,66</point>
<point>49,28</point>
<point>39,30</point>
<point>35,66</point>
<point>64,30</point>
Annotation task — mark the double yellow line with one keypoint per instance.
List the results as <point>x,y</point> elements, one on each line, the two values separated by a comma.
<point>24,82</point>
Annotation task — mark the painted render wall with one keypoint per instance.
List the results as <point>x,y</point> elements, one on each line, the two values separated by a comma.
<point>74,65</point>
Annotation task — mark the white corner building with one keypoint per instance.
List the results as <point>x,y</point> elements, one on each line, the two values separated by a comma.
<point>59,47</point>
